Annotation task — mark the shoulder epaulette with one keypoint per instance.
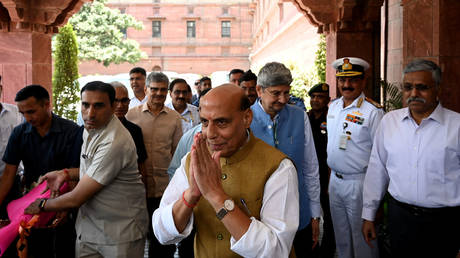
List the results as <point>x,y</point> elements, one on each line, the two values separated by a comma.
<point>335,99</point>
<point>374,103</point>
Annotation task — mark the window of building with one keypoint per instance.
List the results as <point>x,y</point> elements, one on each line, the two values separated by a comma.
<point>226,26</point>
<point>225,10</point>
<point>190,9</point>
<point>191,29</point>
<point>156,29</point>
<point>156,10</point>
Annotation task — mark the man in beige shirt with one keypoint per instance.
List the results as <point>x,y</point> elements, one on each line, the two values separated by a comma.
<point>161,128</point>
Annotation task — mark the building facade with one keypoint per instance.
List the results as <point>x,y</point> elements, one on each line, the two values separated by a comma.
<point>186,36</point>
<point>281,33</point>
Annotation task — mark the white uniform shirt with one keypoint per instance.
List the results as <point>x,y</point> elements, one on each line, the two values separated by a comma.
<point>190,116</point>
<point>9,118</point>
<point>136,102</point>
<point>272,236</point>
<point>118,212</point>
<point>354,159</point>
<point>418,164</point>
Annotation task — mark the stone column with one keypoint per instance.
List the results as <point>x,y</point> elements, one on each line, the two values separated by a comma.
<point>430,31</point>
<point>25,58</point>
<point>352,28</point>
<point>26,28</point>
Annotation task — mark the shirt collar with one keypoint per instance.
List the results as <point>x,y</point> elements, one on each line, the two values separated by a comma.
<point>55,126</point>
<point>437,114</point>
<point>355,102</point>
<point>275,118</point>
<point>186,110</point>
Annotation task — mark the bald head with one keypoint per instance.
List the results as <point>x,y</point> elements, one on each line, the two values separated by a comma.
<point>225,116</point>
<point>233,97</point>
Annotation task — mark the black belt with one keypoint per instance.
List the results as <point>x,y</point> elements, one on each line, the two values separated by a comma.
<point>418,211</point>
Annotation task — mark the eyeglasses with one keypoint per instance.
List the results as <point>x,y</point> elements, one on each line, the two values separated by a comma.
<point>155,89</point>
<point>277,93</point>
<point>418,87</point>
<point>123,101</point>
<point>179,92</point>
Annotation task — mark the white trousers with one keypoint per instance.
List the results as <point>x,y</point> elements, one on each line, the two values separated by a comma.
<point>346,200</point>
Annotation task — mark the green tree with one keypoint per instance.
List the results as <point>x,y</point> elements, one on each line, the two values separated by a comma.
<point>320,59</point>
<point>100,34</point>
<point>65,84</point>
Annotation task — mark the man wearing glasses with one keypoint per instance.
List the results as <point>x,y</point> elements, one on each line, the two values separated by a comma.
<point>179,90</point>
<point>161,128</point>
<point>121,104</point>
<point>351,124</point>
<point>416,158</point>
<point>287,128</point>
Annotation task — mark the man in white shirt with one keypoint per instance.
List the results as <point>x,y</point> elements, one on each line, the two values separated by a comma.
<point>416,158</point>
<point>137,77</point>
<point>112,217</point>
<point>242,197</point>
<point>9,118</point>
<point>179,90</point>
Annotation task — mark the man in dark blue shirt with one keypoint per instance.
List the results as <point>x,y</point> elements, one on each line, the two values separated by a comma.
<point>45,142</point>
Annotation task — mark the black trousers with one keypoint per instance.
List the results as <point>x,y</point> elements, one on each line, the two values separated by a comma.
<point>417,233</point>
<point>155,248</point>
<point>303,242</point>
<point>327,247</point>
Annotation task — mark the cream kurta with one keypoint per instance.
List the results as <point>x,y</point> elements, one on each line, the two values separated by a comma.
<point>161,133</point>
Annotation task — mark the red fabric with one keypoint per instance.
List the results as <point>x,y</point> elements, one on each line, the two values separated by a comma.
<point>16,214</point>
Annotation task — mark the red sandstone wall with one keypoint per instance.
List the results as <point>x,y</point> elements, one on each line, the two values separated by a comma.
<point>173,51</point>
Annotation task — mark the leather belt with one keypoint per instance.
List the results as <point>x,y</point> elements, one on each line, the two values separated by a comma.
<point>418,211</point>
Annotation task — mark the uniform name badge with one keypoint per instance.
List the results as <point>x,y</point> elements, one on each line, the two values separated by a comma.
<point>343,142</point>
<point>344,137</point>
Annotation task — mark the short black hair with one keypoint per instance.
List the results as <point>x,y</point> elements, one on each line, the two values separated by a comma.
<point>248,76</point>
<point>235,71</point>
<point>245,103</point>
<point>34,90</point>
<point>206,78</point>
<point>203,92</point>
<point>138,70</point>
<point>102,87</point>
<point>178,80</point>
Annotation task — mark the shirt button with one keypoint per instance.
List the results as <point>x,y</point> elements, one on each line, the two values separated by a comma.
<point>224,176</point>
<point>269,127</point>
<point>220,236</point>
<point>277,142</point>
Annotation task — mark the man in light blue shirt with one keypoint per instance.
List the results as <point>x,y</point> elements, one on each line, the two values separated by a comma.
<point>287,128</point>
<point>351,124</point>
<point>416,158</point>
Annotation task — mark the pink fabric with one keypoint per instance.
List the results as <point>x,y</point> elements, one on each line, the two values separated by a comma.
<point>16,214</point>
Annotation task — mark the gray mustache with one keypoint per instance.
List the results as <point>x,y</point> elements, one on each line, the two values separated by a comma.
<point>409,100</point>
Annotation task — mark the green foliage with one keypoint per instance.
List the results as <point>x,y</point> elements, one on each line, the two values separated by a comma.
<point>320,59</point>
<point>302,80</point>
<point>393,95</point>
<point>100,36</point>
<point>65,84</point>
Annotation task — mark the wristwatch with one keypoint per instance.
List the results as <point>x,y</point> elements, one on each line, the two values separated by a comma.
<point>229,205</point>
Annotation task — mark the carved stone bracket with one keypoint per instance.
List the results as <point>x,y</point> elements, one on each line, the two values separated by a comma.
<point>340,15</point>
<point>44,16</point>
